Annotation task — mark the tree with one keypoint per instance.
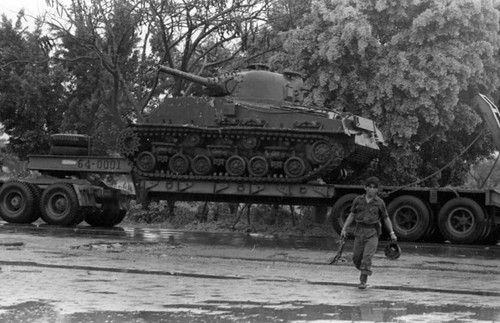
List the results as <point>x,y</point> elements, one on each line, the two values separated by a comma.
<point>412,65</point>
<point>30,90</point>
<point>113,48</point>
<point>203,37</point>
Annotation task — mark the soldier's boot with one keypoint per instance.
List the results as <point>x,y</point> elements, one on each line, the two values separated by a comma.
<point>363,279</point>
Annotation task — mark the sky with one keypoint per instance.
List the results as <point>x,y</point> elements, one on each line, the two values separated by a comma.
<point>32,8</point>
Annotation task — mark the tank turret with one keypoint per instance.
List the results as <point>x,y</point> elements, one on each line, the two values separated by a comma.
<point>255,82</point>
<point>251,126</point>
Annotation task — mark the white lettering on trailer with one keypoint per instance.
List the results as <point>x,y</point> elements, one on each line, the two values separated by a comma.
<point>68,162</point>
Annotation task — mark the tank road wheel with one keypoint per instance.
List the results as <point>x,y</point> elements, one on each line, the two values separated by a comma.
<point>410,217</point>
<point>461,220</point>
<point>178,164</point>
<point>18,203</point>
<point>258,166</point>
<point>60,205</point>
<point>128,142</point>
<point>294,167</point>
<point>320,152</point>
<point>201,165</point>
<point>340,212</point>
<point>146,161</point>
<point>236,165</point>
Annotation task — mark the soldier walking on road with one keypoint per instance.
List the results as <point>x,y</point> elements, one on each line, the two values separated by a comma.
<point>366,211</point>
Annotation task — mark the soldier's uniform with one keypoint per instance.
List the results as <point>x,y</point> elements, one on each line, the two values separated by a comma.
<point>367,216</point>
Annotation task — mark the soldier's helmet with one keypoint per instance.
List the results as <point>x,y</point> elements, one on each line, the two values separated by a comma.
<point>392,251</point>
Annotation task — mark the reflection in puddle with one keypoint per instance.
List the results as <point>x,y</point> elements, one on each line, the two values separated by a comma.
<point>258,312</point>
<point>491,252</point>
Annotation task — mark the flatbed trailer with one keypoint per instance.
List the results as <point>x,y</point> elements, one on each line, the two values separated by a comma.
<point>66,194</point>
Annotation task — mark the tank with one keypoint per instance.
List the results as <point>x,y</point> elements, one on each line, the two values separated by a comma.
<point>251,125</point>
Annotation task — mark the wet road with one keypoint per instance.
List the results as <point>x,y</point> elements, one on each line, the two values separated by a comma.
<point>250,240</point>
<point>146,275</point>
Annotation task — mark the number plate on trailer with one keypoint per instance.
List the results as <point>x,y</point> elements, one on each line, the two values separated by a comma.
<point>79,164</point>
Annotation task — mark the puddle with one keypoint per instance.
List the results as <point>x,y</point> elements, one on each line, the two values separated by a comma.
<point>258,312</point>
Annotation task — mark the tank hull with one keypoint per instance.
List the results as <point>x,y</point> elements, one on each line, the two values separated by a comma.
<point>237,140</point>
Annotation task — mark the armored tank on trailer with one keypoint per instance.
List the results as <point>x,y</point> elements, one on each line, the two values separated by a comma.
<point>251,126</point>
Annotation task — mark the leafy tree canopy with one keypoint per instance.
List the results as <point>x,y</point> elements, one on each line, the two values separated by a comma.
<point>30,90</point>
<point>412,65</point>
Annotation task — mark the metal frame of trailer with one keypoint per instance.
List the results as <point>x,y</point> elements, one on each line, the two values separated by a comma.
<point>419,213</point>
<point>469,216</point>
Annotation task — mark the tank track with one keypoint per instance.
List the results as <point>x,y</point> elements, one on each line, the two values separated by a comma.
<point>151,148</point>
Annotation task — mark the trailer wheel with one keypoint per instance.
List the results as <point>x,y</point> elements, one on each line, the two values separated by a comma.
<point>410,217</point>
<point>340,212</point>
<point>60,206</point>
<point>461,220</point>
<point>17,203</point>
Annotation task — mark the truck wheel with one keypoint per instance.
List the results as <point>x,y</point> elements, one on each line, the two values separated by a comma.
<point>410,217</point>
<point>17,203</point>
<point>461,220</point>
<point>60,205</point>
<point>105,217</point>
<point>109,215</point>
<point>35,190</point>
<point>340,212</point>
<point>494,236</point>
<point>69,140</point>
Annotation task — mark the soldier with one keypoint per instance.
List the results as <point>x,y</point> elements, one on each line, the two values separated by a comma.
<point>366,211</point>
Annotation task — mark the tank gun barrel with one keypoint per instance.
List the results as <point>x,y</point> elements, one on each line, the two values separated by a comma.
<point>206,81</point>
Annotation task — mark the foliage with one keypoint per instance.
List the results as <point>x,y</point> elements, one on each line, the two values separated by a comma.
<point>204,37</point>
<point>112,50</point>
<point>412,65</point>
<point>30,90</point>
<point>484,174</point>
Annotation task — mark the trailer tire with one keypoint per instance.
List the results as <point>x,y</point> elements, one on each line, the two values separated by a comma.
<point>59,205</point>
<point>410,217</point>
<point>340,211</point>
<point>462,220</point>
<point>17,203</point>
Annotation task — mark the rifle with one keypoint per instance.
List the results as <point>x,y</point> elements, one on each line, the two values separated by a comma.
<point>339,251</point>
